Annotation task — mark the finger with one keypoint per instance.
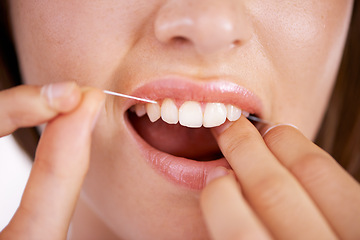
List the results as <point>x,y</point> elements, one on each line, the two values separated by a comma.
<point>274,194</point>
<point>227,214</point>
<point>334,191</point>
<point>26,106</point>
<point>60,166</point>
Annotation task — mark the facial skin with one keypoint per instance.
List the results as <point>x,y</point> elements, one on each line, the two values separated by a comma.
<point>287,53</point>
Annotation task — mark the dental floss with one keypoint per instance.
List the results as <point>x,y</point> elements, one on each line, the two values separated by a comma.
<point>128,96</point>
<point>256,119</point>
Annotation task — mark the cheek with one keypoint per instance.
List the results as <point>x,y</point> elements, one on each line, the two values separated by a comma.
<point>77,40</point>
<point>303,41</point>
<point>304,34</point>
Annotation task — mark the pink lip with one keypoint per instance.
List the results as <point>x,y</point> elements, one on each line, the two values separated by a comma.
<point>210,91</point>
<point>181,171</point>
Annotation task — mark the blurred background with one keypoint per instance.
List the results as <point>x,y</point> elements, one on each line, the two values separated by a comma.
<point>14,172</point>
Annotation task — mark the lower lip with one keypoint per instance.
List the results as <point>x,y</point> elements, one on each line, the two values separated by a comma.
<point>185,172</point>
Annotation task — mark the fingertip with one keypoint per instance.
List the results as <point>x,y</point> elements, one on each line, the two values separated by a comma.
<point>217,131</point>
<point>95,100</point>
<point>240,132</point>
<point>100,101</point>
<point>242,123</point>
<point>62,96</point>
<point>97,93</point>
<point>95,97</point>
<point>216,173</point>
<point>214,183</point>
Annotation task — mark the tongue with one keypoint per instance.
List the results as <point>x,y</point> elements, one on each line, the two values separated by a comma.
<point>192,143</point>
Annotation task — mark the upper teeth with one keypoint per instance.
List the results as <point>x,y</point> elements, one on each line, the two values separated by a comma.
<point>190,113</point>
<point>169,112</point>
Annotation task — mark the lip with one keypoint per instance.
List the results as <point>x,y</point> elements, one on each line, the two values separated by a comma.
<point>189,173</point>
<point>217,90</point>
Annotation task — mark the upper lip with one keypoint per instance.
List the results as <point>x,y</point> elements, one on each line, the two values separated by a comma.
<point>213,90</point>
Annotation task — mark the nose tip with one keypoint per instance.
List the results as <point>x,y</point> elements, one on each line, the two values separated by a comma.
<point>207,29</point>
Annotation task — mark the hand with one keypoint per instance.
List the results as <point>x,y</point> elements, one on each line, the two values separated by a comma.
<point>282,187</point>
<point>62,155</point>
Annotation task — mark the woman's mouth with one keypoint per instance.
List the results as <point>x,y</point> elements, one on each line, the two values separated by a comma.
<point>175,135</point>
<point>182,131</point>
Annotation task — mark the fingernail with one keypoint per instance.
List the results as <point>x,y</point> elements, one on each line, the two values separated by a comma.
<point>278,125</point>
<point>56,91</point>
<point>216,173</point>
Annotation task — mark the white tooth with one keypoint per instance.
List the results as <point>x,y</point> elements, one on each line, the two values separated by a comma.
<point>190,114</point>
<point>153,111</point>
<point>169,111</point>
<point>246,114</point>
<point>233,113</point>
<point>140,109</point>
<point>214,114</point>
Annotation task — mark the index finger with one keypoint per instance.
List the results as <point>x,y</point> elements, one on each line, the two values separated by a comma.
<point>273,193</point>
<point>335,192</point>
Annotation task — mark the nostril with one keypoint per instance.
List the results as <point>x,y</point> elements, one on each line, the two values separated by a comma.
<point>236,43</point>
<point>180,40</point>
